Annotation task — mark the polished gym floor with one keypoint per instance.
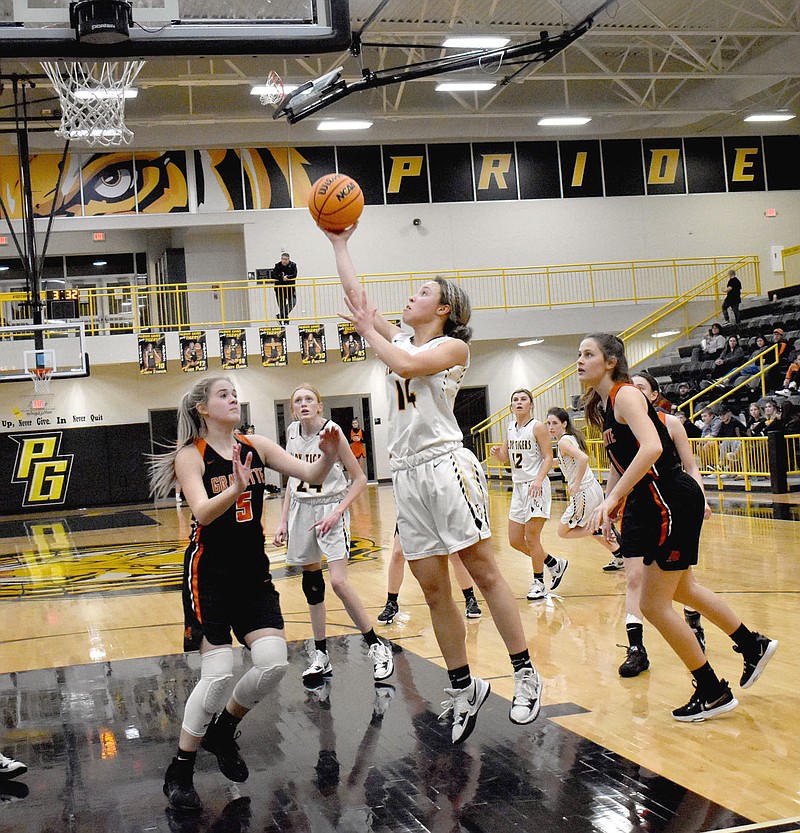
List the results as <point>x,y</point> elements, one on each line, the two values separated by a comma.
<point>92,687</point>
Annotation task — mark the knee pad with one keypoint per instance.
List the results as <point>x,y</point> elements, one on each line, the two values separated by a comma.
<point>211,692</point>
<point>270,661</point>
<point>314,586</point>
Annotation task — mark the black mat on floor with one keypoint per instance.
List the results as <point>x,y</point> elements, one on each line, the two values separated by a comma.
<point>349,757</point>
<point>76,523</point>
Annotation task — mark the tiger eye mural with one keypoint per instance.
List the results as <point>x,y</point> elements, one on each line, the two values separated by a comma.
<point>246,178</point>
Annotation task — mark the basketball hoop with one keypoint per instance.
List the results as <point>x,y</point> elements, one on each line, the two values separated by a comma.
<point>93,99</point>
<point>41,376</point>
<point>273,90</point>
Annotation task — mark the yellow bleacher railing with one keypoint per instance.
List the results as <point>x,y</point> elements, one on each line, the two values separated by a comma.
<point>793,454</point>
<point>643,341</point>
<point>134,308</point>
<point>791,265</point>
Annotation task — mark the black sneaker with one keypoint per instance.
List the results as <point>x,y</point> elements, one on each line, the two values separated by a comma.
<point>693,621</point>
<point>386,617</point>
<point>223,745</point>
<point>635,662</point>
<point>179,788</point>
<point>754,665</point>
<point>700,708</point>
<point>472,609</point>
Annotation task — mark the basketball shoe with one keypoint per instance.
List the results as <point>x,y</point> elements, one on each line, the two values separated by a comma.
<point>9,768</point>
<point>537,590</point>
<point>701,708</point>
<point>383,664</point>
<point>557,572</point>
<point>464,704</point>
<point>179,788</point>
<point>754,664</point>
<point>222,744</point>
<point>386,616</point>
<point>617,563</point>
<point>319,670</point>
<point>472,609</point>
<point>527,696</point>
<point>635,662</point>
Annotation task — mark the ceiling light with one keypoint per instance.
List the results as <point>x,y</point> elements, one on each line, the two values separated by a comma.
<point>268,89</point>
<point>87,94</point>
<point>463,86</point>
<point>665,334</point>
<point>530,342</point>
<point>770,117</point>
<point>344,125</point>
<point>477,42</point>
<point>4,268</point>
<point>564,121</point>
<point>100,263</point>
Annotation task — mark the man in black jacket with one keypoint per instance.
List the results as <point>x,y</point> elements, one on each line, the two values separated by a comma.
<point>284,274</point>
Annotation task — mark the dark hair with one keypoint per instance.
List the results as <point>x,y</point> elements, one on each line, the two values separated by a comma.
<point>717,325</point>
<point>453,295</point>
<point>612,348</point>
<point>651,380</point>
<point>563,416</point>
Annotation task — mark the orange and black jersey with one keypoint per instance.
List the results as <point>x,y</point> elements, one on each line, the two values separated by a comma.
<point>240,524</point>
<point>622,445</point>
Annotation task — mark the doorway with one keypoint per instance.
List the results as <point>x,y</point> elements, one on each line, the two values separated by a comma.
<point>470,408</point>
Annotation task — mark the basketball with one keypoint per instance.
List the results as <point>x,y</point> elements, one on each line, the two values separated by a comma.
<point>335,202</point>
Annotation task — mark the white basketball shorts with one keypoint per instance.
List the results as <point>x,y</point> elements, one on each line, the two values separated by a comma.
<point>524,507</point>
<point>582,505</point>
<point>307,545</point>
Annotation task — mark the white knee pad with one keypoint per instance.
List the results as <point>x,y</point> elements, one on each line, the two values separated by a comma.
<point>270,661</point>
<point>211,692</point>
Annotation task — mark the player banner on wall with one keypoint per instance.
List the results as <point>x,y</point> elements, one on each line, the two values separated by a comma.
<point>312,344</point>
<point>273,346</point>
<point>233,349</point>
<point>194,355</point>
<point>351,344</point>
<point>152,353</point>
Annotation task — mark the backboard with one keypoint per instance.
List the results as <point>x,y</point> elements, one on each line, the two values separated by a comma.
<point>42,28</point>
<point>61,346</point>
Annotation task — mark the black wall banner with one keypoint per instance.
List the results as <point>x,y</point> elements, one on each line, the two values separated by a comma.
<point>581,171</point>
<point>363,164</point>
<point>152,353</point>
<point>537,163</point>
<point>194,354</point>
<point>623,168</point>
<point>663,166</point>
<point>351,345</point>
<point>312,344</point>
<point>451,173</point>
<point>705,165</point>
<point>273,346</point>
<point>745,163</point>
<point>67,469</point>
<point>782,161</point>
<point>495,170</point>
<point>405,174</point>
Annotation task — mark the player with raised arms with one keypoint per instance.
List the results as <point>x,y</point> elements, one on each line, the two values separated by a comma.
<point>440,488</point>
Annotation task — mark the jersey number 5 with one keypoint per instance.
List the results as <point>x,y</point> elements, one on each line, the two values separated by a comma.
<point>404,395</point>
<point>244,509</point>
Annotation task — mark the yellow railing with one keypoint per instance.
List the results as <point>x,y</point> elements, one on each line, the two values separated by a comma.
<point>766,360</point>
<point>793,453</point>
<point>791,265</point>
<point>675,320</point>
<point>210,304</point>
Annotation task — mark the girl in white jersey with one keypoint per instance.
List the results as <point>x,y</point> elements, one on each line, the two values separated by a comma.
<point>440,489</point>
<point>528,448</point>
<point>316,522</point>
<point>584,490</point>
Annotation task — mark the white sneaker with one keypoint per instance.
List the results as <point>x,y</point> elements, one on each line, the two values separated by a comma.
<point>527,696</point>
<point>464,703</point>
<point>537,590</point>
<point>557,572</point>
<point>9,768</point>
<point>319,670</point>
<point>381,655</point>
<point>617,563</point>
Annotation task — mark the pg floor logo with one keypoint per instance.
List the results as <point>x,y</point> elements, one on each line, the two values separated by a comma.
<point>42,468</point>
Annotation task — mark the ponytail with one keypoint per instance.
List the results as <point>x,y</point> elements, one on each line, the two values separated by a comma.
<point>453,295</point>
<point>563,416</point>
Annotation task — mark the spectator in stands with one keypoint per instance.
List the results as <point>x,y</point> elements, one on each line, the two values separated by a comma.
<point>790,418</point>
<point>759,346</point>
<point>778,374</point>
<point>709,429</point>
<point>731,429</point>
<point>692,431</point>
<point>710,346</point>
<point>681,393</point>
<point>771,413</point>
<point>792,371</point>
<point>731,356</point>
<point>733,297</point>
<point>756,422</point>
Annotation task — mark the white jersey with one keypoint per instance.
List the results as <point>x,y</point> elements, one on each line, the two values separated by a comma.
<point>569,466</point>
<point>307,448</point>
<point>421,421</point>
<point>524,454</point>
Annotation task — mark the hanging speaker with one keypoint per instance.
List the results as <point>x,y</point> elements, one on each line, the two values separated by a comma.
<point>101,21</point>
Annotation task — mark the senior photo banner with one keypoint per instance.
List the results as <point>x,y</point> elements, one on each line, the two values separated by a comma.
<point>152,354</point>
<point>351,345</point>
<point>273,346</point>
<point>194,354</point>
<point>233,349</point>
<point>312,344</point>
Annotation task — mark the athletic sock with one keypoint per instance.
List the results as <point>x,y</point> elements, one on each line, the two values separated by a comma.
<point>321,645</point>
<point>745,640</point>
<point>460,677</point>
<point>186,759</point>
<point>707,680</point>
<point>539,576</point>
<point>469,593</point>
<point>635,634</point>
<point>521,660</point>
<point>392,597</point>
<point>550,561</point>
<point>370,637</point>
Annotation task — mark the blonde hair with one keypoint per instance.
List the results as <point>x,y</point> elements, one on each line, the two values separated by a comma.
<point>304,387</point>
<point>191,426</point>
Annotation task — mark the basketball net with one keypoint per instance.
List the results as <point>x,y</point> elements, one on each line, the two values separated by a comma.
<point>273,89</point>
<point>92,99</point>
<point>41,376</point>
